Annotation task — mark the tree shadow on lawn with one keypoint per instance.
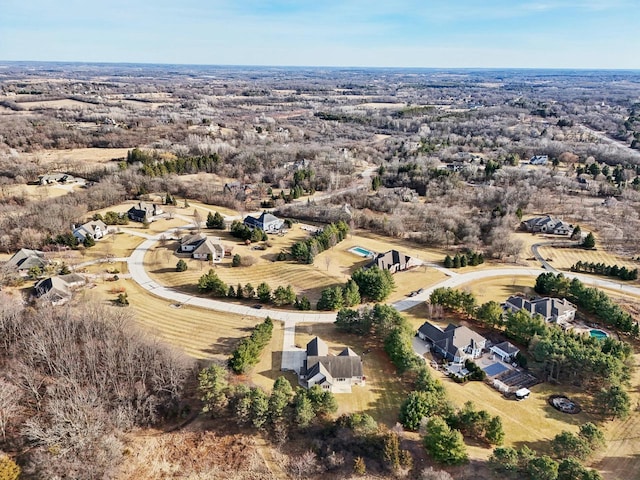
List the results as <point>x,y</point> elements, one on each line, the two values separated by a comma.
<point>226,345</point>
<point>163,270</point>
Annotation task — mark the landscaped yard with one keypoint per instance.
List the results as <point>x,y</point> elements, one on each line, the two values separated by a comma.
<point>331,267</point>
<point>383,393</point>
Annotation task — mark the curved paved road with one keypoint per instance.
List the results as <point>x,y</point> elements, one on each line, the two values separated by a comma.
<point>292,356</point>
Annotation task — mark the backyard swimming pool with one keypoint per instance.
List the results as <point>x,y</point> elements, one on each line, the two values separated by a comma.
<point>598,333</point>
<point>362,252</point>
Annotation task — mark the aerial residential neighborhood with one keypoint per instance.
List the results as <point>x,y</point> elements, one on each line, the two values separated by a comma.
<point>416,260</point>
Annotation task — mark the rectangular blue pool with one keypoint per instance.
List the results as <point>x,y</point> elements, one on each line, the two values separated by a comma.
<point>361,252</point>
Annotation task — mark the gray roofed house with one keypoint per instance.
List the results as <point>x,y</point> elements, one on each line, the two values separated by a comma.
<point>24,259</point>
<point>547,224</point>
<point>59,289</point>
<point>209,249</point>
<point>539,160</point>
<point>394,261</point>
<point>454,343</point>
<point>505,350</point>
<point>266,222</point>
<point>551,309</point>
<point>96,229</point>
<point>144,211</point>
<point>336,373</point>
<point>56,178</point>
<point>190,242</point>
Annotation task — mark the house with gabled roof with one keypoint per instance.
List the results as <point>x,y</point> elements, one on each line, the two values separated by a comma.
<point>455,343</point>
<point>25,259</point>
<point>142,212</point>
<point>547,224</point>
<point>210,249</point>
<point>95,229</point>
<point>58,289</point>
<point>202,247</point>
<point>266,222</point>
<point>394,261</point>
<point>335,373</point>
<point>505,350</point>
<point>551,309</point>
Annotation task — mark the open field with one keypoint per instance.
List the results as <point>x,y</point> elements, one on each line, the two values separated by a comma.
<point>88,156</point>
<point>37,192</point>
<point>202,334</point>
<point>383,393</point>
<point>564,258</point>
<point>57,104</point>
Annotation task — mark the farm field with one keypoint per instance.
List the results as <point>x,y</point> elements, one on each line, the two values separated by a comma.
<point>383,393</point>
<point>202,334</point>
<point>56,104</point>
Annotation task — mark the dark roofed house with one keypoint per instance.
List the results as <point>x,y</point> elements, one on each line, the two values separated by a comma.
<point>336,373</point>
<point>506,351</point>
<point>547,224</point>
<point>144,212</point>
<point>190,242</point>
<point>24,259</point>
<point>59,289</point>
<point>551,309</point>
<point>202,247</point>
<point>394,261</point>
<point>453,343</point>
<point>266,222</point>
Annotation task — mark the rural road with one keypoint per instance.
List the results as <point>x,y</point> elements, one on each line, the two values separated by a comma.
<point>292,355</point>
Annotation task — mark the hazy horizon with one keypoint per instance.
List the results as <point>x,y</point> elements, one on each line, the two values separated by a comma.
<point>499,34</point>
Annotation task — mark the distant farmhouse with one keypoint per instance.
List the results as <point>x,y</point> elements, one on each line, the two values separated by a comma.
<point>25,259</point>
<point>394,261</point>
<point>547,224</point>
<point>54,178</point>
<point>551,309</point>
<point>202,247</point>
<point>454,343</point>
<point>336,373</point>
<point>95,229</point>
<point>142,212</point>
<point>266,222</point>
<point>539,160</point>
<point>59,289</point>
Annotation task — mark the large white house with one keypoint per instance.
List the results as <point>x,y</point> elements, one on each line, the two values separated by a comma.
<point>454,343</point>
<point>547,224</point>
<point>95,229</point>
<point>336,373</point>
<point>551,309</point>
<point>266,222</point>
<point>202,247</point>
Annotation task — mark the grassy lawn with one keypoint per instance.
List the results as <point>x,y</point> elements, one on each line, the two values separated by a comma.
<point>202,334</point>
<point>383,393</point>
<point>332,267</point>
<point>500,288</point>
<point>563,258</point>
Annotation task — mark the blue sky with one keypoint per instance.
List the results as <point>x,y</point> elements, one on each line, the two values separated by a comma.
<point>393,33</point>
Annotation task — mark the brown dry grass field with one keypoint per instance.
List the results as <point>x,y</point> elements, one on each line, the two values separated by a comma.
<point>383,393</point>
<point>200,333</point>
<point>37,192</point>
<point>86,156</point>
<point>564,258</point>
